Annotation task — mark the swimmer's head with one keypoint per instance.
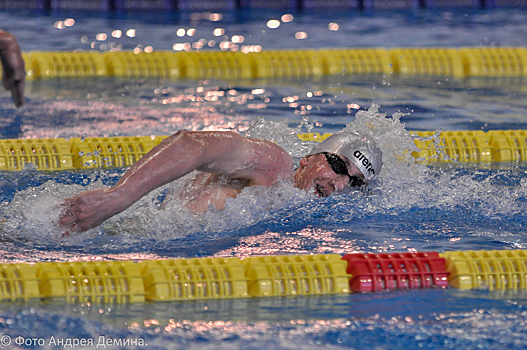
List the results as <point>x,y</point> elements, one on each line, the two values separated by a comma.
<point>358,148</point>
<point>346,159</point>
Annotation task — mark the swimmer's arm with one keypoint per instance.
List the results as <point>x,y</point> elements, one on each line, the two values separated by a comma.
<point>226,153</point>
<point>14,72</point>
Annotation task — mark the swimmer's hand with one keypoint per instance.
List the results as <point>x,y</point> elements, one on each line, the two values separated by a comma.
<point>89,209</point>
<point>14,72</point>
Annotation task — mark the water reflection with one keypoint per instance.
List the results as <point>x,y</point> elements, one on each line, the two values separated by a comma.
<point>65,108</point>
<point>305,241</point>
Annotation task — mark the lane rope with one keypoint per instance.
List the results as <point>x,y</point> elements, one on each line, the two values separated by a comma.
<point>497,146</point>
<point>127,281</point>
<point>283,64</point>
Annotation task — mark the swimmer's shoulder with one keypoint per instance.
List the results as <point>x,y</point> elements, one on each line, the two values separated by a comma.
<point>271,161</point>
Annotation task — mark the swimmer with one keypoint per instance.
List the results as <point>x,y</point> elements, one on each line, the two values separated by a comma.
<point>14,72</point>
<point>226,162</point>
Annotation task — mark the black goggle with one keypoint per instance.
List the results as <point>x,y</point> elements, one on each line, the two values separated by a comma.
<point>339,167</point>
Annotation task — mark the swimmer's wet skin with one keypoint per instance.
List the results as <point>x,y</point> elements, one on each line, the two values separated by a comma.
<point>14,73</point>
<point>345,159</point>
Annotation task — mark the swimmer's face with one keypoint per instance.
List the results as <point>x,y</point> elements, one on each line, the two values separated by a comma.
<point>316,175</point>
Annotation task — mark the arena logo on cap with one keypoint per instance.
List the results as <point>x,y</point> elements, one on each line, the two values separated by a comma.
<point>365,161</point>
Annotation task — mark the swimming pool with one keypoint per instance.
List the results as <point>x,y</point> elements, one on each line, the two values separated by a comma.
<point>414,208</point>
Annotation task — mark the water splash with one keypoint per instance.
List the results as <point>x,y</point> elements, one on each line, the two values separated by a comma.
<point>405,183</point>
<point>281,134</point>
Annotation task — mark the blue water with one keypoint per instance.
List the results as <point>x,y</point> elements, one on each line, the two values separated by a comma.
<point>411,208</point>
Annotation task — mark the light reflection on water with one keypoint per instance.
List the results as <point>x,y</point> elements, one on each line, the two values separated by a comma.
<point>305,241</point>
<point>413,320</point>
<point>183,30</point>
<point>109,107</point>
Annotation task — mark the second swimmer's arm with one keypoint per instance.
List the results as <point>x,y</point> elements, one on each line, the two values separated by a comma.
<point>14,72</point>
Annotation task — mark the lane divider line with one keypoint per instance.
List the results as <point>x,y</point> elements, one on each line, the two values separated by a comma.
<point>496,146</point>
<point>128,282</point>
<point>282,64</point>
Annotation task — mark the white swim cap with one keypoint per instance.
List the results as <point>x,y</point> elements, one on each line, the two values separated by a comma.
<point>358,148</point>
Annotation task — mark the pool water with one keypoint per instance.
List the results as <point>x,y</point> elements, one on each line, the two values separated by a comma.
<point>412,207</point>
